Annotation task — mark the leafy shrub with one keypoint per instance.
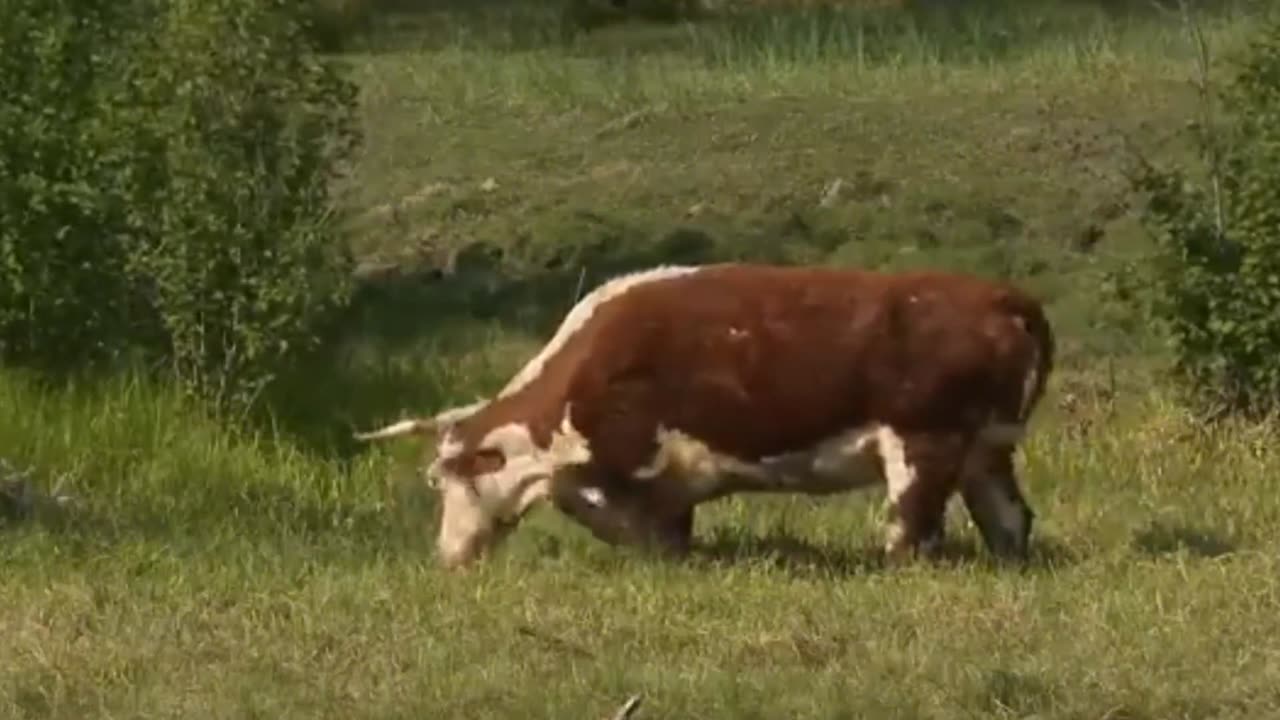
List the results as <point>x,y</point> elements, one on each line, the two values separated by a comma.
<point>60,273</point>
<point>1217,270</point>
<point>164,186</point>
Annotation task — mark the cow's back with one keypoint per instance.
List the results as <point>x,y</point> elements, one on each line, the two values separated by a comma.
<point>757,360</point>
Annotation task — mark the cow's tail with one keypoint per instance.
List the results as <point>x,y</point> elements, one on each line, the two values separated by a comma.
<point>1040,363</point>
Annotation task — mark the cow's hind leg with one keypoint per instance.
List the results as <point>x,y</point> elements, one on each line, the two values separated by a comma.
<point>990,490</point>
<point>921,472</point>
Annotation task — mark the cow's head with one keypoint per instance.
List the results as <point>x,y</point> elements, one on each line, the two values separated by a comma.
<point>486,485</point>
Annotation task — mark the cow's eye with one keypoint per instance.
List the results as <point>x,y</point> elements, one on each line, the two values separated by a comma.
<point>487,460</point>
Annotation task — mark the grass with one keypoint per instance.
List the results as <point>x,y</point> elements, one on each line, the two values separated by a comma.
<point>267,567</point>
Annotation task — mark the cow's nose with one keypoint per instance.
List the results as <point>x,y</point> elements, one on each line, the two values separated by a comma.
<point>456,560</point>
<point>456,556</point>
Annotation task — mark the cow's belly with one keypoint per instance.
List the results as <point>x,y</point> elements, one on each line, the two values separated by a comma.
<point>686,465</point>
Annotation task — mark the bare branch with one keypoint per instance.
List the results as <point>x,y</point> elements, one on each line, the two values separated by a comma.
<point>628,708</point>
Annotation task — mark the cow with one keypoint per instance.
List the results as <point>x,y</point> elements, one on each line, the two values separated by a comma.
<point>673,386</point>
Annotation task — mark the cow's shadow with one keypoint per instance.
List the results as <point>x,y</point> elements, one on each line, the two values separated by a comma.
<point>1159,539</point>
<point>783,551</point>
<point>800,557</point>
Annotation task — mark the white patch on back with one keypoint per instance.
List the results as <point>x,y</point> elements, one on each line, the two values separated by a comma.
<point>582,312</point>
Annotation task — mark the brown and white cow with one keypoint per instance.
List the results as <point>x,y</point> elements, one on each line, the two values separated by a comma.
<point>673,386</point>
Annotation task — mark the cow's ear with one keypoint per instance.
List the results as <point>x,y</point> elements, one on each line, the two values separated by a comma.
<point>488,460</point>
<point>473,464</point>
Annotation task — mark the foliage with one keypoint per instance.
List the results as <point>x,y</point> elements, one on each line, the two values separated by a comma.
<point>164,179</point>
<point>1217,273</point>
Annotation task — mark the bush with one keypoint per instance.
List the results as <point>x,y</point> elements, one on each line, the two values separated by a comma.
<point>1217,271</point>
<point>164,182</point>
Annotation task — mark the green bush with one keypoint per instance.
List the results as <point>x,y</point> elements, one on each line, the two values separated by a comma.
<point>165,168</point>
<point>1217,271</point>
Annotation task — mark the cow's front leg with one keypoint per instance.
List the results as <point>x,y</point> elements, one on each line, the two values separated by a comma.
<point>577,492</point>
<point>621,512</point>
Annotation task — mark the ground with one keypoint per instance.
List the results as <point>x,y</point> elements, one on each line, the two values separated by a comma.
<point>276,569</point>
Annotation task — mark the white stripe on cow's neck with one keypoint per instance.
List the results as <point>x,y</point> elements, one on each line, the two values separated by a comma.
<point>582,312</point>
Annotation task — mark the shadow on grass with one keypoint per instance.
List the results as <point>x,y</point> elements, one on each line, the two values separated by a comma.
<point>1159,539</point>
<point>803,558</point>
<point>783,551</point>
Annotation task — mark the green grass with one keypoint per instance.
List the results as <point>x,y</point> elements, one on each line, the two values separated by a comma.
<point>268,567</point>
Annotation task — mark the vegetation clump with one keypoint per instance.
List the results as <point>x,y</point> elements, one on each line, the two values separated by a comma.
<point>165,172</point>
<point>1217,269</point>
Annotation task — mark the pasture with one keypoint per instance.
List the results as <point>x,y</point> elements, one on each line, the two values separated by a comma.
<point>270,567</point>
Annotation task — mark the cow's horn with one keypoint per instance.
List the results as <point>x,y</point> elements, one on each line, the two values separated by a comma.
<point>419,426</point>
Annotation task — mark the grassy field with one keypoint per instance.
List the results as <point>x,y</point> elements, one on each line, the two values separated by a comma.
<point>269,568</point>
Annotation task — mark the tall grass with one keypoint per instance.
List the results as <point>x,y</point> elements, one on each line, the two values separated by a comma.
<point>139,458</point>
<point>511,56</point>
